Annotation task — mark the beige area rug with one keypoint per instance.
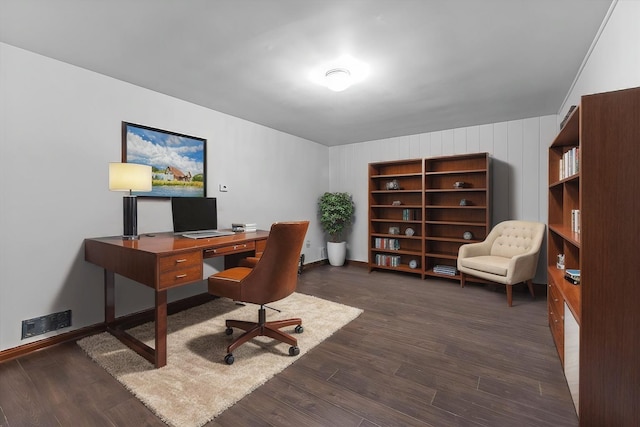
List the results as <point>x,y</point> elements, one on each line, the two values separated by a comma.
<point>196,385</point>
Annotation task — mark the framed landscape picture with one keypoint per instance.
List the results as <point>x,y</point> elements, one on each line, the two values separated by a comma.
<point>178,162</point>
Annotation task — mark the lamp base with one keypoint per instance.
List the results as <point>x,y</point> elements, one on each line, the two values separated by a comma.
<point>130,217</point>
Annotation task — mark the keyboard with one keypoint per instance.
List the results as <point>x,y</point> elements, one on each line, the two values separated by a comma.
<point>205,234</point>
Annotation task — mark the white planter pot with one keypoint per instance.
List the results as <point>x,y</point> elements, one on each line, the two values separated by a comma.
<point>336,252</point>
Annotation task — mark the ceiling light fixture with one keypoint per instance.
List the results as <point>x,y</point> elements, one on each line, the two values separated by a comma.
<point>340,73</point>
<point>338,79</point>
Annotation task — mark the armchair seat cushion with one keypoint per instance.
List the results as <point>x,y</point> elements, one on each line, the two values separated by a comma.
<point>487,263</point>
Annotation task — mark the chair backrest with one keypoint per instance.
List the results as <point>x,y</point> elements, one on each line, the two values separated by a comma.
<point>511,238</point>
<point>275,276</point>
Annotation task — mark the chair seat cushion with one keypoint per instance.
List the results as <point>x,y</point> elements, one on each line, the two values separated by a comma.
<point>227,283</point>
<point>487,263</point>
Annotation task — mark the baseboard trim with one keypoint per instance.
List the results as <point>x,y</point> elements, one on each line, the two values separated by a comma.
<point>23,350</point>
<point>129,320</point>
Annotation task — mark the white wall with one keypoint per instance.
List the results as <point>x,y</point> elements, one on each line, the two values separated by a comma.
<point>613,62</point>
<point>519,169</point>
<point>60,126</point>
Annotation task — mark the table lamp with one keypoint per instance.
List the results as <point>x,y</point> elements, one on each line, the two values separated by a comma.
<point>129,177</point>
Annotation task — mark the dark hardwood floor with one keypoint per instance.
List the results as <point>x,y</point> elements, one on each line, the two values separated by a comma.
<point>423,353</point>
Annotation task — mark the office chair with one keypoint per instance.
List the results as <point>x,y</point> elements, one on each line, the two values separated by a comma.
<point>509,255</point>
<point>273,277</point>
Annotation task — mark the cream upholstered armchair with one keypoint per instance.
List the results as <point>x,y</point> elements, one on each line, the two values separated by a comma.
<point>509,255</point>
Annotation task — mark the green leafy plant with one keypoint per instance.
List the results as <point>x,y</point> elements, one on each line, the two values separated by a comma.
<point>336,214</point>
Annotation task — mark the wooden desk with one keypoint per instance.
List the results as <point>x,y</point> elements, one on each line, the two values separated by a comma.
<point>161,261</point>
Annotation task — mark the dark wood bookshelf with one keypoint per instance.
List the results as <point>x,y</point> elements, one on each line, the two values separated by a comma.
<point>596,324</point>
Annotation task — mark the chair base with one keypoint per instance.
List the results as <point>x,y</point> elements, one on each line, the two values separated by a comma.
<point>263,328</point>
<point>529,283</point>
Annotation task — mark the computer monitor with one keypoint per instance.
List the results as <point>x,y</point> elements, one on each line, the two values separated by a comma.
<point>194,213</point>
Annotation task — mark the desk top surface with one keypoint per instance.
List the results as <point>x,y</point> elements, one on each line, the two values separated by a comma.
<point>169,242</point>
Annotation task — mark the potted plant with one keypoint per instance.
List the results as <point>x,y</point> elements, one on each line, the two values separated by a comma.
<point>336,215</point>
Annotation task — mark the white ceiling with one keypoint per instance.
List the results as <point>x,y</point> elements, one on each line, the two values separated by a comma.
<point>435,64</point>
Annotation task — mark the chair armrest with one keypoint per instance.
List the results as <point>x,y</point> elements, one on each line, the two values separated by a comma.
<point>522,267</point>
<point>469,250</point>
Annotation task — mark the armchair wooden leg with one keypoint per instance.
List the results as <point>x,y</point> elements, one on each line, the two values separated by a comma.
<point>530,286</point>
<point>510,295</point>
<point>462,280</point>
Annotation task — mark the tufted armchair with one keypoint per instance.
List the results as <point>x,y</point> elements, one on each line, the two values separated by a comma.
<point>509,255</point>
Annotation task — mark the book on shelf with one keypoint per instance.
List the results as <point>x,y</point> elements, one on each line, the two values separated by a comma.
<point>575,220</point>
<point>244,227</point>
<point>572,276</point>
<point>409,214</point>
<point>448,270</point>
<point>569,163</point>
<point>566,117</point>
<point>386,243</point>
<point>388,260</point>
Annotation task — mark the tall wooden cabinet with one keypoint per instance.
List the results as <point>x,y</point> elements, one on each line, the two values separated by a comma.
<point>596,324</point>
<point>422,210</point>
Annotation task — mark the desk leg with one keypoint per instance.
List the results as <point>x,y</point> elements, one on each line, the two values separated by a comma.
<point>161,329</point>
<point>109,297</point>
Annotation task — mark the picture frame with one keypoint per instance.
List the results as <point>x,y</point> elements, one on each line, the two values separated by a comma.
<point>178,161</point>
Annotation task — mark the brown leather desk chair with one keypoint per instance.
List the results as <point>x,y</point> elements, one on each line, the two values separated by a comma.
<point>274,277</point>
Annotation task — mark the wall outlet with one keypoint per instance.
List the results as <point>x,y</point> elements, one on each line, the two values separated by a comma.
<point>323,253</point>
<point>308,243</point>
<point>223,188</point>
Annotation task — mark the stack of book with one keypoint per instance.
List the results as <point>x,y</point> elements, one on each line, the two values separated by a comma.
<point>569,163</point>
<point>384,243</point>
<point>448,270</point>
<point>408,214</point>
<point>572,276</point>
<point>243,227</point>
<point>388,260</point>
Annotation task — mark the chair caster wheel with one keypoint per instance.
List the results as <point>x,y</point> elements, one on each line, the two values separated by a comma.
<point>299,329</point>
<point>293,351</point>
<point>228,359</point>
<point>228,331</point>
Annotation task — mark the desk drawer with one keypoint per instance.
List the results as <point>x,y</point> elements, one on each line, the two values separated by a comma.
<point>180,261</point>
<point>180,277</point>
<point>556,303</point>
<point>555,308</point>
<point>180,269</point>
<point>231,249</point>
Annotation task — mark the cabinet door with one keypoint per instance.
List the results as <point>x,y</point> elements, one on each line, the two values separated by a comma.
<point>572,354</point>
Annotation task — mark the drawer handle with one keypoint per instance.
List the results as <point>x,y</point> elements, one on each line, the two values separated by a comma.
<point>178,261</point>
<point>555,299</point>
<point>180,276</point>
<point>239,246</point>
<point>210,251</point>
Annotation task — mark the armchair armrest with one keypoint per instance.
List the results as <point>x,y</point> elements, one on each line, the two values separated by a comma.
<point>474,249</point>
<point>522,267</point>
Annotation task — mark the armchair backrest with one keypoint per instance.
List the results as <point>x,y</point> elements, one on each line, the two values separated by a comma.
<point>275,276</point>
<point>511,238</point>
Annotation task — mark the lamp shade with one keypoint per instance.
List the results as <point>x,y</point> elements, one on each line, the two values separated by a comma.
<point>129,177</point>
